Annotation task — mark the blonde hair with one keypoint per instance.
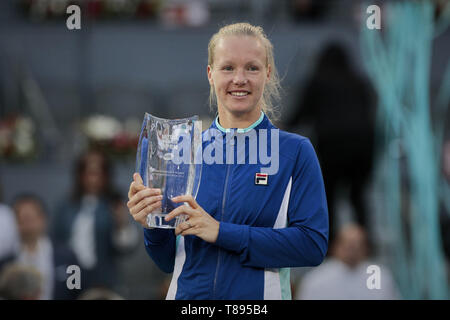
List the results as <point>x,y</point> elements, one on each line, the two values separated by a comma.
<point>272,88</point>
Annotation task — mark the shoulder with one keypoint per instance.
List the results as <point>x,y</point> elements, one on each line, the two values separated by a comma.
<point>322,274</point>
<point>6,213</point>
<point>4,207</point>
<point>295,146</point>
<point>291,137</point>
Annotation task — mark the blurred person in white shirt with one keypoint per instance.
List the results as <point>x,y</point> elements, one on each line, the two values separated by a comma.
<point>9,239</point>
<point>344,276</point>
<point>37,250</point>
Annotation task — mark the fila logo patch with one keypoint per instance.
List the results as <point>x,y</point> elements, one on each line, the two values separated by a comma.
<point>261,179</point>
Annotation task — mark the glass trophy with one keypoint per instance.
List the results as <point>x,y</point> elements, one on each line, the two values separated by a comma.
<point>169,158</point>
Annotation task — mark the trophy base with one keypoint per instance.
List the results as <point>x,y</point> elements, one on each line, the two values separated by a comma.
<point>156,220</point>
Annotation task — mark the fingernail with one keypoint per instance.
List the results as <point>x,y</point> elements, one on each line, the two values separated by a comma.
<point>160,197</point>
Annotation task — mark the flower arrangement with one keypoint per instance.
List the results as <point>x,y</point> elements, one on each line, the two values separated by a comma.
<point>115,138</point>
<point>17,138</point>
<point>94,9</point>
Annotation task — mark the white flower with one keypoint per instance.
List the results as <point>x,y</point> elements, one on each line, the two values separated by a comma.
<point>24,125</point>
<point>100,127</point>
<point>23,144</point>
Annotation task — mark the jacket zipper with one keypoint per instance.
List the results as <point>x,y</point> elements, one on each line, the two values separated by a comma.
<point>221,219</point>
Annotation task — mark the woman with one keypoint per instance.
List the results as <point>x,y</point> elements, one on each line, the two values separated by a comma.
<point>92,223</point>
<point>242,234</point>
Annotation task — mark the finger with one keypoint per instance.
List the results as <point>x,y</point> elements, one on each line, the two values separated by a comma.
<point>136,185</point>
<point>137,177</point>
<point>191,231</point>
<point>191,223</point>
<point>135,188</point>
<point>181,227</point>
<point>186,198</point>
<point>148,201</point>
<point>147,192</point>
<point>180,210</point>
<point>142,215</point>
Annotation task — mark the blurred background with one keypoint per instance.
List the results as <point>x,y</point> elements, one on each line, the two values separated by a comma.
<point>374,103</point>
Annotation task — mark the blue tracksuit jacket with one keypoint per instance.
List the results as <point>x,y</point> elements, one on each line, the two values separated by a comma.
<point>264,229</point>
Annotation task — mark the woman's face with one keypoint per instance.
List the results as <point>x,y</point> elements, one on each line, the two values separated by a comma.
<point>239,74</point>
<point>30,221</point>
<point>92,177</point>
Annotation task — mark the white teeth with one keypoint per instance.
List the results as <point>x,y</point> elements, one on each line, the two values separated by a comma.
<point>239,94</point>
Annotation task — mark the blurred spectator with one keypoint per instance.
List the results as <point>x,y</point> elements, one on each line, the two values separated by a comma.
<point>445,207</point>
<point>308,9</point>
<point>18,282</point>
<point>95,223</point>
<point>344,275</point>
<point>341,108</point>
<point>37,250</point>
<point>9,240</point>
<point>99,294</point>
<point>192,13</point>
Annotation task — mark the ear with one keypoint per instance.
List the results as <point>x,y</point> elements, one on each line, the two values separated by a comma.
<point>269,71</point>
<point>209,72</point>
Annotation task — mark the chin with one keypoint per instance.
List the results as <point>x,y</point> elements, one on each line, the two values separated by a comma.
<point>240,108</point>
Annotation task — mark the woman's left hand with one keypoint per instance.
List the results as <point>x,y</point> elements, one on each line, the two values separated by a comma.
<point>198,223</point>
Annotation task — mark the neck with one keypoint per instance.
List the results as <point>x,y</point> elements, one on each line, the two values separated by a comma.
<point>240,121</point>
<point>31,245</point>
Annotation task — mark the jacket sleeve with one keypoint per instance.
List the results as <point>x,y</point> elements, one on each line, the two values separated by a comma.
<point>304,241</point>
<point>160,245</point>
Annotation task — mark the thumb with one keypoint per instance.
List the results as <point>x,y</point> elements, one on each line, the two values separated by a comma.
<point>137,178</point>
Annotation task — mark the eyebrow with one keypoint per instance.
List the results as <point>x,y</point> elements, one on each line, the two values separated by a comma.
<point>250,62</point>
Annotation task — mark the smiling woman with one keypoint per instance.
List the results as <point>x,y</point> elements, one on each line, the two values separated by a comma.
<point>246,226</point>
<point>238,77</point>
<point>240,59</point>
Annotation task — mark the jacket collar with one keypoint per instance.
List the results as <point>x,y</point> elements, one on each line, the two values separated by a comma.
<point>262,123</point>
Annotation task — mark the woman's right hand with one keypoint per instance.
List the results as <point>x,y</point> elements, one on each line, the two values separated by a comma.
<point>142,200</point>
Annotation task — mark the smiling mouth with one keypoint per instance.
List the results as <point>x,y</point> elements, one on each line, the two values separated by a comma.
<point>239,93</point>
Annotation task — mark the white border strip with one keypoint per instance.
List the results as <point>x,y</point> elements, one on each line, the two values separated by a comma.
<point>180,258</point>
<point>272,284</point>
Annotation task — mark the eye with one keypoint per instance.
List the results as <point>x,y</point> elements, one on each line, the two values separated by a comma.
<point>253,68</point>
<point>227,68</point>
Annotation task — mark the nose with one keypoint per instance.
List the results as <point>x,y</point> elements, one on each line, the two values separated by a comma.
<point>239,78</point>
